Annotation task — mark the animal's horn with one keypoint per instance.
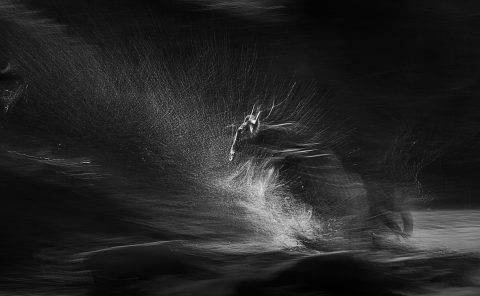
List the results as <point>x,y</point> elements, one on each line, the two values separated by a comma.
<point>232,148</point>
<point>253,108</point>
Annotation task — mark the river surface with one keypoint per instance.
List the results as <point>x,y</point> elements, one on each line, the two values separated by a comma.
<point>116,181</point>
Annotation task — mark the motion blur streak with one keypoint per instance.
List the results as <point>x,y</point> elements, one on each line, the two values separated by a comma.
<point>116,176</point>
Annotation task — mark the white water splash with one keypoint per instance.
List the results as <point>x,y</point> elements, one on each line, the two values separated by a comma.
<point>273,211</point>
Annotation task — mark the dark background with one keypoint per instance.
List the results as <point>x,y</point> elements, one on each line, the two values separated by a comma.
<point>381,64</point>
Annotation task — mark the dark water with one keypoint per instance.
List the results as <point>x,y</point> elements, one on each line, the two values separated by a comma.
<point>116,179</point>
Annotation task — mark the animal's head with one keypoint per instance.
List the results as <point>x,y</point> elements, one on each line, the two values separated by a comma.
<point>248,129</point>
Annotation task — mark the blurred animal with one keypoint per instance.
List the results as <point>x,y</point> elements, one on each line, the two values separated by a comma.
<point>304,161</point>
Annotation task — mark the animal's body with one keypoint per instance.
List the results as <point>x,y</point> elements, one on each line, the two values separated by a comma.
<point>325,175</point>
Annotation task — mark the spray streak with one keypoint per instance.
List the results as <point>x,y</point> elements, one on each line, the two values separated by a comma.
<point>164,108</point>
<point>163,112</point>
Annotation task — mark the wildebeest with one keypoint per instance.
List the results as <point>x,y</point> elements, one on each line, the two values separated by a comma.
<point>310,161</point>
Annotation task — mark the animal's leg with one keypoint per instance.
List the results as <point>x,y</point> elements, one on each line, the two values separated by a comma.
<point>382,206</point>
<point>407,222</point>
